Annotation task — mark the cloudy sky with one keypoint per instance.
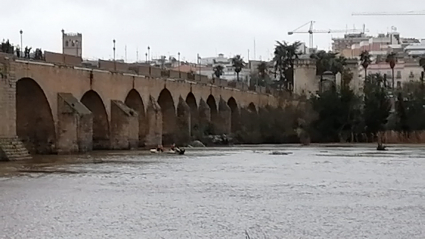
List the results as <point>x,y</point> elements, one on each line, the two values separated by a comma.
<point>207,27</point>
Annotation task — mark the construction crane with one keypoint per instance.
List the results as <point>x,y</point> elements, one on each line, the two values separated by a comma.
<point>312,31</point>
<point>409,13</point>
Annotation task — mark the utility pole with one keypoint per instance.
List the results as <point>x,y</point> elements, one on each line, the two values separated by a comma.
<point>255,57</point>
<point>137,54</point>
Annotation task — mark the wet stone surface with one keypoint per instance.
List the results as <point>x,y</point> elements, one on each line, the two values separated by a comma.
<point>316,192</point>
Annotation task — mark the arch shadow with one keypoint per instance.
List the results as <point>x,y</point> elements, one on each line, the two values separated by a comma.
<point>235,116</point>
<point>194,122</point>
<point>252,107</point>
<point>135,102</point>
<point>101,135</point>
<point>212,103</point>
<point>34,119</point>
<point>169,118</point>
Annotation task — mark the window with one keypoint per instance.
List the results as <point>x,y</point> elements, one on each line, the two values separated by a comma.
<point>398,74</point>
<point>398,84</point>
<point>66,43</point>
<point>73,43</point>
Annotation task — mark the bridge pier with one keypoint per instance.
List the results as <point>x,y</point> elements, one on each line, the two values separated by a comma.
<point>154,123</point>
<point>124,126</point>
<point>74,126</point>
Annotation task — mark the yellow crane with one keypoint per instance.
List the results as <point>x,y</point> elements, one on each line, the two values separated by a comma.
<point>312,31</point>
<point>409,13</point>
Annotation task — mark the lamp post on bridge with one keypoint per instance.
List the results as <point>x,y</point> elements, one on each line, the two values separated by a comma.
<point>22,47</point>
<point>149,53</point>
<point>115,64</point>
<point>178,61</point>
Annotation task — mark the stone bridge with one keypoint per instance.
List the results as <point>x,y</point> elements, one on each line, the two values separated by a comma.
<point>60,108</point>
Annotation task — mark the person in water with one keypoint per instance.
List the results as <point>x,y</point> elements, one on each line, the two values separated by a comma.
<point>160,148</point>
<point>174,148</point>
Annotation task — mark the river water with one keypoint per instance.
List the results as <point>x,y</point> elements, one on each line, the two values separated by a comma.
<point>314,192</point>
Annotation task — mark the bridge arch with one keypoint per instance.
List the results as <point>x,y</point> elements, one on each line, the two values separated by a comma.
<point>191,102</point>
<point>101,136</point>
<point>169,118</point>
<point>135,102</point>
<point>252,108</point>
<point>212,103</point>
<point>235,114</point>
<point>34,119</point>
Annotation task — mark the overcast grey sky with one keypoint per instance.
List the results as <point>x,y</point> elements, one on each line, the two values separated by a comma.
<point>206,27</point>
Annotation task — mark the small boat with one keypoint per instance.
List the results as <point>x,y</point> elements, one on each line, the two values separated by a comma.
<point>176,151</point>
<point>155,151</point>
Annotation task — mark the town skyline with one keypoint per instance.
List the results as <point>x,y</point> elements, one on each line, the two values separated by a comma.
<point>193,28</point>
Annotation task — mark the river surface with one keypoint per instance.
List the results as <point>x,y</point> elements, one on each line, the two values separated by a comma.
<point>314,192</point>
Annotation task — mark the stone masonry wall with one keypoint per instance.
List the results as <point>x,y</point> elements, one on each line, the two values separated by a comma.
<point>75,125</point>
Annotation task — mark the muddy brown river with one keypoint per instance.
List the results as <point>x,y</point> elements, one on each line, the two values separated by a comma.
<point>314,192</point>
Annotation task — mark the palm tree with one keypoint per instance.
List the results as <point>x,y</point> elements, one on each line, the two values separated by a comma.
<point>262,70</point>
<point>285,58</point>
<point>365,61</point>
<point>238,64</point>
<point>422,64</point>
<point>337,63</point>
<point>218,71</point>
<point>392,60</point>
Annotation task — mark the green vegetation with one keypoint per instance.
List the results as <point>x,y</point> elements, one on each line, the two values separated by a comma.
<point>218,71</point>
<point>238,64</point>
<point>392,60</point>
<point>285,56</point>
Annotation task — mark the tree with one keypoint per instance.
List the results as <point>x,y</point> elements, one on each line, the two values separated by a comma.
<point>285,56</point>
<point>337,115</point>
<point>422,64</point>
<point>327,61</point>
<point>392,60</point>
<point>262,71</point>
<point>377,104</point>
<point>238,64</point>
<point>218,71</point>
<point>337,64</point>
<point>400,109</point>
<point>365,61</point>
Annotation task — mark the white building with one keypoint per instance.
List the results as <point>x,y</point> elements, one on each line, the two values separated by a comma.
<point>208,64</point>
<point>415,49</point>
